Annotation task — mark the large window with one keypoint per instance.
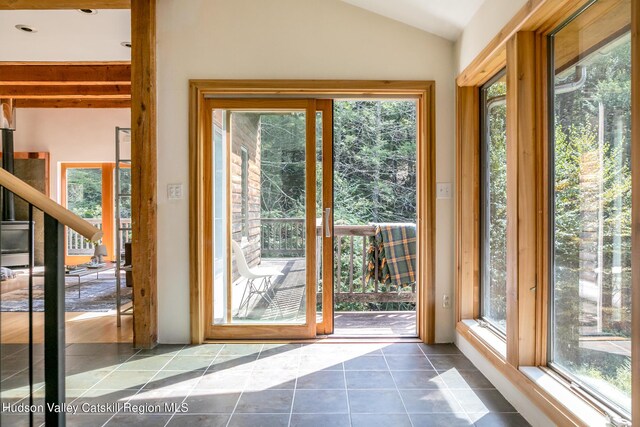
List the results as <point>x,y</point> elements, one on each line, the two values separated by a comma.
<point>493,212</point>
<point>591,186</point>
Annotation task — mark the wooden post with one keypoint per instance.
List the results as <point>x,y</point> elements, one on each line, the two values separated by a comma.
<point>467,208</point>
<point>144,172</point>
<point>522,138</point>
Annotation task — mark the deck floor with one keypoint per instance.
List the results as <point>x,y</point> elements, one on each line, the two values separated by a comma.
<point>287,305</point>
<point>375,323</point>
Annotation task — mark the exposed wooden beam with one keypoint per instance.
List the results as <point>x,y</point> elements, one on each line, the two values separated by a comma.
<point>66,91</point>
<point>64,73</point>
<point>73,103</point>
<point>64,4</point>
<point>144,173</point>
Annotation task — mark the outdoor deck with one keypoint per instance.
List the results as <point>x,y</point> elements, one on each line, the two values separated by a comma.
<point>288,291</point>
<point>375,323</point>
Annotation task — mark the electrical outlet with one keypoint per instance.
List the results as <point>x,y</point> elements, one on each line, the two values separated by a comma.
<point>174,191</point>
<point>446,301</point>
<point>443,190</point>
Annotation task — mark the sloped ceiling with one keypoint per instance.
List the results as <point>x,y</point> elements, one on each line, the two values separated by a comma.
<point>445,18</point>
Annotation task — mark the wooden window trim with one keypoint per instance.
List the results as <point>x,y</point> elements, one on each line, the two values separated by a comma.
<point>468,203</point>
<point>423,91</point>
<point>527,344</point>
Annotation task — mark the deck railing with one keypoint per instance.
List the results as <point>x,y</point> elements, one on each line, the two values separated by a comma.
<point>282,237</point>
<point>285,237</point>
<point>78,245</point>
<point>353,282</point>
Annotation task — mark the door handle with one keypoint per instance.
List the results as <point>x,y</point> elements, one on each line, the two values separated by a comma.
<point>327,226</point>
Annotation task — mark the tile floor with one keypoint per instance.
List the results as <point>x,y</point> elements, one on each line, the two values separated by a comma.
<point>267,385</point>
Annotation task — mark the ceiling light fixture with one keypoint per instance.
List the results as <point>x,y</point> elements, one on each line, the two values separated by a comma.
<point>26,28</point>
<point>88,11</point>
<point>126,44</point>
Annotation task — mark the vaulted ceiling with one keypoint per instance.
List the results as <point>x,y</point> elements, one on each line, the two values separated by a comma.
<point>445,18</point>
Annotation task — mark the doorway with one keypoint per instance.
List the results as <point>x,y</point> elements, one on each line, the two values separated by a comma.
<point>375,239</point>
<point>87,189</point>
<point>278,261</point>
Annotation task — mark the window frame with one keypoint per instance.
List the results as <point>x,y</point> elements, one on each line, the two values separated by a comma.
<point>586,391</point>
<point>483,211</point>
<point>522,44</point>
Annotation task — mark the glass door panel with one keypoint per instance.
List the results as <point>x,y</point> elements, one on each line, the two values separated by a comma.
<point>263,171</point>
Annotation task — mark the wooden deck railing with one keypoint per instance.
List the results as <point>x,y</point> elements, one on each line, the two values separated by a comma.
<point>282,237</point>
<point>352,281</point>
<point>285,237</point>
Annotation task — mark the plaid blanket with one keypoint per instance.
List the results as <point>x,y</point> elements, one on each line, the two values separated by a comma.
<point>396,246</point>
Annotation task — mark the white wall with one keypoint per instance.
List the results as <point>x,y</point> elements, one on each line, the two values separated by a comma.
<point>485,24</point>
<point>283,39</point>
<point>69,135</point>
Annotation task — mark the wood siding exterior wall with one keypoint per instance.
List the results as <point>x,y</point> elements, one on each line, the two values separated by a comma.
<point>245,129</point>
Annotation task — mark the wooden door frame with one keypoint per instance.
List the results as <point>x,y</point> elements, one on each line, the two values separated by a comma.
<point>231,330</point>
<point>108,203</point>
<point>144,151</point>
<point>422,91</point>
<point>106,183</point>
<point>326,326</point>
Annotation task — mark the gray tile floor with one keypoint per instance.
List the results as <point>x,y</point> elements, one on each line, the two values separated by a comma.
<point>324,384</point>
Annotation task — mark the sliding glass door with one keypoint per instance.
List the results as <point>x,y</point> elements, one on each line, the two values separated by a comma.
<point>266,218</point>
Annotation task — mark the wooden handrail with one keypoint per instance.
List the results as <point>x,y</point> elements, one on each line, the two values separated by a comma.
<point>48,206</point>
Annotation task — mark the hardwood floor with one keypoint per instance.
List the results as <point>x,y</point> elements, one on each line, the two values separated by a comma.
<point>88,327</point>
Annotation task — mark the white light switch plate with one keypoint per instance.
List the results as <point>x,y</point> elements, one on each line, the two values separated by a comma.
<point>443,190</point>
<point>174,191</point>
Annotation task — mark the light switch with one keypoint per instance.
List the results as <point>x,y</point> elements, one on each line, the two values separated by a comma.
<point>174,191</point>
<point>443,190</point>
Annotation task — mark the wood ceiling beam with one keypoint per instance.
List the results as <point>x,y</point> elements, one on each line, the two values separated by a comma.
<point>64,4</point>
<point>65,91</point>
<point>73,103</point>
<point>64,72</point>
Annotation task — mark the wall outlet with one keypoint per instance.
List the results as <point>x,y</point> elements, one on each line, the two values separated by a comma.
<point>443,190</point>
<point>174,191</point>
<point>446,301</point>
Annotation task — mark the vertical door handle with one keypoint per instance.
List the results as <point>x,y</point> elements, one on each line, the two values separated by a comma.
<point>327,225</point>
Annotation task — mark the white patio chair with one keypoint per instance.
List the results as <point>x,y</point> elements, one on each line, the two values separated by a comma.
<point>262,289</point>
